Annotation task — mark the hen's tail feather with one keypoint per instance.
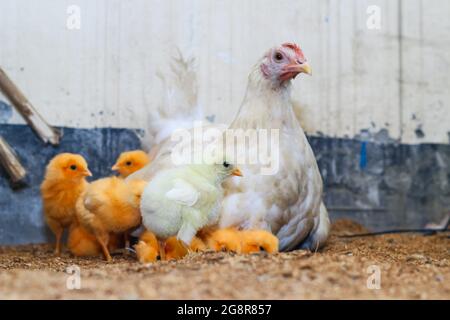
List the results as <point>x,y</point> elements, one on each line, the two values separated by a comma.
<point>319,235</point>
<point>178,108</point>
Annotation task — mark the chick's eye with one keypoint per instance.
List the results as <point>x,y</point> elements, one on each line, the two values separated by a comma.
<point>73,167</point>
<point>128,163</point>
<point>278,56</point>
<point>226,164</point>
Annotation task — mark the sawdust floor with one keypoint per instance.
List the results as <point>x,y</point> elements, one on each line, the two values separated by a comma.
<point>411,267</point>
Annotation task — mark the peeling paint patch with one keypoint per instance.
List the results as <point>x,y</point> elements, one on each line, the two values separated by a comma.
<point>381,136</point>
<point>5,112</point>
<point>419,132</point>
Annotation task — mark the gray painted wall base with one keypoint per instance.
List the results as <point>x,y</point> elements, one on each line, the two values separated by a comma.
<point>380,185</point>
<point>21,218</point>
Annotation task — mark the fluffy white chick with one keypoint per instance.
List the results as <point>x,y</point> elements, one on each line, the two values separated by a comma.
<point>182,200</point>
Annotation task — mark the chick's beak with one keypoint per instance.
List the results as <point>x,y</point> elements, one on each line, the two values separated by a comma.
<point>87,173</point>
<point>236,172</point>
<point>115,167</point>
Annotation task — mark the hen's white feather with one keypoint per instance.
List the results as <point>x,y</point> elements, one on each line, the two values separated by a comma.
<point>178,108</point>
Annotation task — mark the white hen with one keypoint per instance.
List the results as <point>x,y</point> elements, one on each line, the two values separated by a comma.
<point>289,202</point>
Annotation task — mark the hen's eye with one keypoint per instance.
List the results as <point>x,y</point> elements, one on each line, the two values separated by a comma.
<point>73,167</point>
<point>128,163</point>
<point>278,56</point>
<point>226,164</point>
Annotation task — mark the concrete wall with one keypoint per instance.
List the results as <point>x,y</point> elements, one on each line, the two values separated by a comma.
<point>376,108</point>
<point>104,74</point>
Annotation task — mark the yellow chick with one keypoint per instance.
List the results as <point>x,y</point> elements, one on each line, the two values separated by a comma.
<point>110,205</point>
<point>240,241</point>
<point>82,243</point>
<point>148,248</point>
<point>64,181</point>
<point>130,162</point>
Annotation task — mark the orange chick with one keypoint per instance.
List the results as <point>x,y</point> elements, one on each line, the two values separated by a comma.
<point>175,249</point>
<point>147,249</point>
<point>257,240</point>
<point>110,205</point>
<point>64,181</point>
<point>81,243</point>
<point>224,240</point>
<point>241,241</point>
<point>130,162</point>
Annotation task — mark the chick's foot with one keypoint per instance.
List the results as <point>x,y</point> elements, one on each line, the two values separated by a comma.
<point>147,249</point>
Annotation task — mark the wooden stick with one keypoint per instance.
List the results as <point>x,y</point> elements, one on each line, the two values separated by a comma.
<point>46,132</point>
<point>11,163</point>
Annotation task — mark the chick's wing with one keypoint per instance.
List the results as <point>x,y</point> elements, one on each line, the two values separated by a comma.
<point>183,193</point>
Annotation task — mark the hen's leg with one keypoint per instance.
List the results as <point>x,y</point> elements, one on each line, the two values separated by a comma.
<point>147,249</point>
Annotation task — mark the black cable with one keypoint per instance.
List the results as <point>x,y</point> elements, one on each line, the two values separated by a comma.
<point>424,231</point>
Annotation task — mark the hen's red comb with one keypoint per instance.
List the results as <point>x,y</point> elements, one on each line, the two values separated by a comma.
<point>294,47</point>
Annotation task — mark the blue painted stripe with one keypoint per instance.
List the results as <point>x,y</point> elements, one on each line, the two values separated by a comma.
<point>363,155</point>
<point>401,185</point>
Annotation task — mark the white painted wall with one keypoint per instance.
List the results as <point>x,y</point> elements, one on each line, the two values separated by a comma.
<point>104,73</point>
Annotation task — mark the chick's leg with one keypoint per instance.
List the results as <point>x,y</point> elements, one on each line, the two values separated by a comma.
<point>126,239</point>
<point>57,230</point>
<point>103,239</point>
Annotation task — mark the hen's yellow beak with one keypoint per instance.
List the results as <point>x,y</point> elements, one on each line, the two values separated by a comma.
<point>236,172</point>
<point>305,68</point>
<point>296,68</point>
